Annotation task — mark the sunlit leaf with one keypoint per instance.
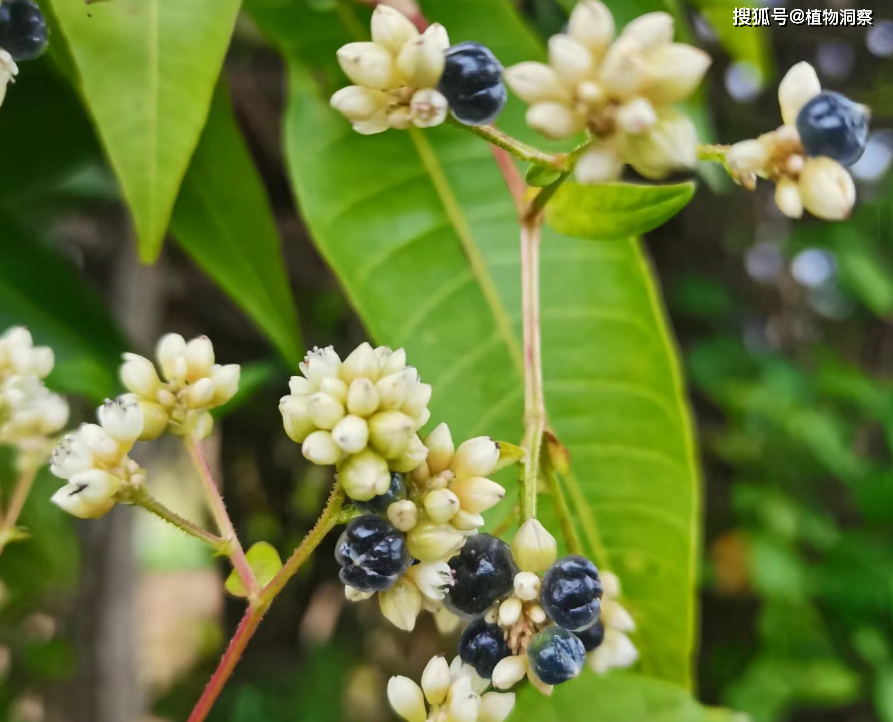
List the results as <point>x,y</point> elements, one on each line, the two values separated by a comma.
<point>264,562</point>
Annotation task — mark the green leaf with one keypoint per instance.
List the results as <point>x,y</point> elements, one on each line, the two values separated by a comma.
<point>264,562</point>
<point>423,236</point>
<point>41,290</point>
<point>609,211</point>
<point>147,70</point>
<point>619,697</point>
<point>224,221</point>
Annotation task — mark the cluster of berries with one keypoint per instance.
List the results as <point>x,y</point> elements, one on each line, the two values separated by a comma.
<point>620,90</point>
<point>404,78</point>
<point>23,36</point>
<point>823,133</point>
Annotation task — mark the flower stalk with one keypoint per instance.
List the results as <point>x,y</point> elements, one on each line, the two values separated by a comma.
<point>153,506</point>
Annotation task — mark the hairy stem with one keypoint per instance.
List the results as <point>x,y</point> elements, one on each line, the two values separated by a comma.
<point>152,505</point>
<point>534,401</point>
<point>245,631</point>
<point>518,148</point>
<point>17,503</point>
<point>221,517</point>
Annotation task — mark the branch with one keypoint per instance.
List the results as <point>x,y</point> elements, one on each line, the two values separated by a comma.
<point>561,162</point>
<point>152,505</point>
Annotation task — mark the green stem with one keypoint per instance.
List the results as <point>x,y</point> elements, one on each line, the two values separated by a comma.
<point>152,505</point>
<point>16,503</point>
<point>565,519</point>
<point>557,161</point>
<point>713,153</point>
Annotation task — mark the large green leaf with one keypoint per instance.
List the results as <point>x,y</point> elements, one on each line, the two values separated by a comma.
<point>608,211</point>
<point>40,290</point>
<point>422,233</point>
<point>147,71</point>
<point>223,219</point>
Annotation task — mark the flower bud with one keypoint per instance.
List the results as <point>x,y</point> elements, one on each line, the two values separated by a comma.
<point>445,621</point>
<point>427,541</point>
<point>401,604</point>
<point>122,420</point>
<point>615,616</point>
<point>787,198</point>
<point>555,120</point>
<point>362,398</point>
<point>406,699</point>
<point>536,83</point>
<point>527,586</point>
<point>464,704</point>
<point>477,494</point>
<point>320,363</point>
<point>334,387</point>
<point>432,578</point>
<point>138,375</point>
<point>610,584</point>
<point>199,358</point>
<point>351,434</point>
<point>403,514</point>
<point>466,521</point>
<point>428,108</point>
<point>299,386</point>
<point>827,189</point>
<point>169,350</point>
<point>320,448</point>
<point>440,505</point>
<point>355,595</point>
<point>390,433</point>
<point>440,449</point>
<point>324,411</point>
<point>636,116</point>
<point>475,457</point>
<point>622,72</point>
<point>416,400</point>
<point>671,145</point>
<point>510,612</point>
<point>421,62</point>
<point>391,361</point>
<point>592,24</point>
<point>391,28</point>
<point>570,59</point>
<point>674,71</point>
<point>200,394</point>
<point>226,382</point>
<point>496,707</point>
<point>437,35</point>
<point>356,102</point>
<point>155,420</point>
<point>102,446</point>
<point>650,30</point>
<point>799,85</point>
<point>536,614</point>
<point>367,64</point>
<point>400,117</point>
<point>363,475</point>
<point>748,156</point>
<point>296,417</point>
<point>533,547</point>
<point>378,123</point>
<point>415,454</point>
<point>509,671</point>
<point>436,680</point>
<point>392,390</point>
<point>601,163</point>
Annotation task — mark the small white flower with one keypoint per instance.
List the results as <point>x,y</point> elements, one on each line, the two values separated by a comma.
<point>89,494</point>
<point>8,71</point>
<point>827,189</point>
<point>616,650</point>
<point>401,604</point>
<point>432,578</point>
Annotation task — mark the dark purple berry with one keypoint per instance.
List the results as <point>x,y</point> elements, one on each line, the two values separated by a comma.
<point>23,29</point>
<point>592,637</point>
<point>556,655</point>
<point>372,554</point>
<point>482,646</point>
<point>483,571</point>
<point>472,83</point>
<point>832,125</point>
<point>571,593</point>
<point>379,504</point>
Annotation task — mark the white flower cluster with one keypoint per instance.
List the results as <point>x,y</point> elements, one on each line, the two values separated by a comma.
<point>820,185</point>
<point>8,71</point>
<point>617,649</point>
<point>94,462</point>
<point>361,414</point>
<point>192,385</point>
<point>395,75</point>
<point>619,90</point>
<point>29,412</point>
<point>448,693</point>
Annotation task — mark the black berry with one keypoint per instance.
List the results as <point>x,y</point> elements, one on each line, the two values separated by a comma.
<point>482,646</point>
<point>23,29</point>
<point>379,504</point>
<point>592,637</point>
<point>556,655</point>
<point>571,593</point>
<point>483,571</point>
<point>834,126</point>
<point>472,83</point>
<point>372,554</point>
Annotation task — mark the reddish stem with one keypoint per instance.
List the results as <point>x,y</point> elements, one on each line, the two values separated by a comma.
<point>237,645</point>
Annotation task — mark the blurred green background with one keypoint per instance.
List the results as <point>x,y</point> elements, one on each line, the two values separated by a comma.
<point>785,332</point>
